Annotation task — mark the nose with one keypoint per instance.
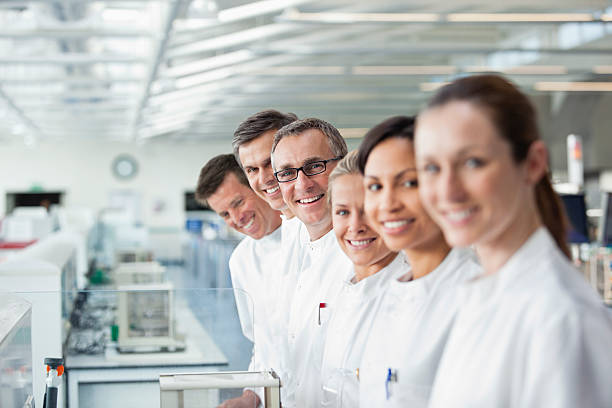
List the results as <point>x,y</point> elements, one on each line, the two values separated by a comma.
<point>303,182</point>
<point>266,178</point>
<point>451,188</point>
<point>388,202</point>
<point>357,222</point>
<point>235,216</point>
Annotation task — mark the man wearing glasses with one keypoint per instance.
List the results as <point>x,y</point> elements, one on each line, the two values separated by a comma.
<point>303,155</point>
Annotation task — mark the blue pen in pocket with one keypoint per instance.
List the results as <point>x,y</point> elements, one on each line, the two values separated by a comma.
<point>391,378</point>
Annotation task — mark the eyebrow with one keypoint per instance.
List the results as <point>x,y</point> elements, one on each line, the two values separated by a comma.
<point>234,202</point>
<point>304,162</point>
<point>397,176</point>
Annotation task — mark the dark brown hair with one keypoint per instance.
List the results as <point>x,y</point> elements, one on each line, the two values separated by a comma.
<point>213,174</point>
<point>515,119</point>
<point>396,126</point>
<point>255,125</point>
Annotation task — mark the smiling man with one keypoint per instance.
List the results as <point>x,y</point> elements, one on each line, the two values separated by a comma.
<point>254,265</point>
<point>252,144</point>
<point>303,155</point>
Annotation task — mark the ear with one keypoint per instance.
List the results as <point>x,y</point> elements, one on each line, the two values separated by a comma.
<point>536,163</point>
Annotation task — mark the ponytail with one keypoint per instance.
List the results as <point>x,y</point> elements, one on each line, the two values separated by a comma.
<point>552,213</point>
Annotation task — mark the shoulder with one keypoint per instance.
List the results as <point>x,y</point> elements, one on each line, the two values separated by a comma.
<point>242,251</point>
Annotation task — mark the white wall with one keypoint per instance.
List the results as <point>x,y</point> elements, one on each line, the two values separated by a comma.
<point>83,170</point>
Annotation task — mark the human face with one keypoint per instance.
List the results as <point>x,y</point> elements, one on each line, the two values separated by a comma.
<point>392,202</point>
<point>359,242</point>
<point>256,162</point>
<point>306,195</point>
<point>470,182</point>
<point>242,209</point>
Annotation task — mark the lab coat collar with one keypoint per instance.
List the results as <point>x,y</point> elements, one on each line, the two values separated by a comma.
<point>370,286</point>
<point>522,262</point>
<point>423,286</point>
<point>318,244</point>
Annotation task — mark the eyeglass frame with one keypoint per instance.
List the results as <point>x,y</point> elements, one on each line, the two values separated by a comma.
<point>297,169</point>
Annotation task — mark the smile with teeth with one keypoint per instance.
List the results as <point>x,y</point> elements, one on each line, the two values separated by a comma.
<point>310,200</point>
<point>272,190</point>
<point>249,224</point>
<point>458,216</point>
<point>361,243</point>
<point>395,224</point>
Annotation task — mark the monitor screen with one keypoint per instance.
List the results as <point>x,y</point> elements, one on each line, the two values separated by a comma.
<point>606,220</point>
<point>192,205</point>
<point>575,209</point>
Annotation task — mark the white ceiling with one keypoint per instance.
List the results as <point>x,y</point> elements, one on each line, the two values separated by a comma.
<point>137,70</point>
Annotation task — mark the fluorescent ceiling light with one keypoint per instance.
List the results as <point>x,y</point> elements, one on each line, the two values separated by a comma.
<point>405,70</point>
<point>230,40</point>
<point>518,17</point>
<point>606,17</point>
<point>295,15</point>
<point>353,133</point>
<point>574,86</point>
<point>602,69</point>
<point>431,86</point>
<point>256,8</point>
<point>521,69</point>
<point>301,70</point>
<point>208,63</point>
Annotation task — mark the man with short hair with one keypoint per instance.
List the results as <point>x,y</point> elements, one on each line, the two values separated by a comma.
<point>303,155</point>
<point>224,187</point>
<point>252,144</point>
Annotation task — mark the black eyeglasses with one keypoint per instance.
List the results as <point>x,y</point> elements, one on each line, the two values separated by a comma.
<point>310,169</point>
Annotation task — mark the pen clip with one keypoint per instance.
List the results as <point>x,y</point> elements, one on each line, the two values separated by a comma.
<point>322,305</point>
<point>391,377</point>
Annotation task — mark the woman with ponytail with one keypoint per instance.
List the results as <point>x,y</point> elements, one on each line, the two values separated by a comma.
<point>530,332</point>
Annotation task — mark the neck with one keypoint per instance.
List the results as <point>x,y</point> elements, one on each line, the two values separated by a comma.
<point>496,252</point>
<point>426,258</point>
<point>277,222</point>
<point>363,271</point>
<point>317,231</point>
<point>287,213</point>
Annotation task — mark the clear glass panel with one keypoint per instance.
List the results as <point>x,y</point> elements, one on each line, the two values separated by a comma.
<point>15,352</point>
<point>117,342</point>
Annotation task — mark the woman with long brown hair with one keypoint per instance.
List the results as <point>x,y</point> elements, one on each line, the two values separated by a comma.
<point>530,332</point>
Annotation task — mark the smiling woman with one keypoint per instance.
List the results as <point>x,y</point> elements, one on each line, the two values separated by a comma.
<point>531,332</point>
<point>407,340</point>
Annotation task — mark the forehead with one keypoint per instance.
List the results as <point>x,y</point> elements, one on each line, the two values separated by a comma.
<point>257,149</point>
<point>293,150</point>
<point>389,157</point>
<point>348,189</point>
<point>454,126</point>
<point>230,190</point>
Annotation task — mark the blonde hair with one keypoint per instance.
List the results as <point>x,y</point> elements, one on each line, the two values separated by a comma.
<point>347,166</point>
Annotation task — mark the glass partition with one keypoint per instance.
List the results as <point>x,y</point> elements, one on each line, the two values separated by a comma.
<point>121,339</point>
<point>15,352</point>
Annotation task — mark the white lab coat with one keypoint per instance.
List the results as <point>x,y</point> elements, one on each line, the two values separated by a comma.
<point>356,309</point>
<point>322,267</point>
<point>534,334</point>
<point>410,333</point>
<point>259,270</point>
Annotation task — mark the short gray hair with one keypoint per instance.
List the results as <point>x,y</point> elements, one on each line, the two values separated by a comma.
<point>334,138</point>
<point>256,125</point>
<point>349,165</point>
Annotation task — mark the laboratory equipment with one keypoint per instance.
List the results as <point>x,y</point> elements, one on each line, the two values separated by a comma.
<point>575,209</point>
<point>127,255</point>
<point>15,352</point>
<point>203,389</point>
<point>55,370</point>
<point>146,319</point>
<point>605,228</point>
<point>139,273</point>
